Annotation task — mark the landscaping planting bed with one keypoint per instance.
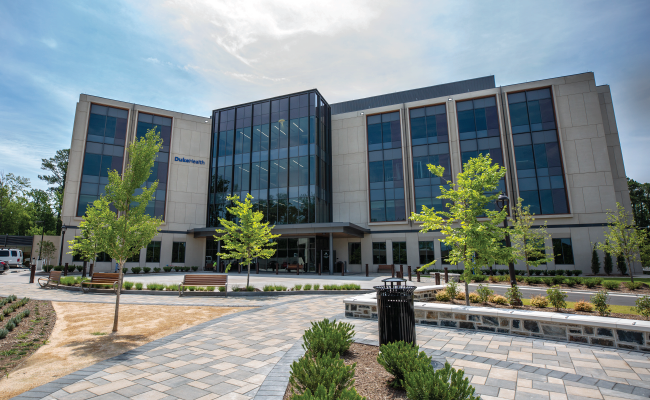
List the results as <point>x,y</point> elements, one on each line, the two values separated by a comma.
<point>644,289</point>
<point>28,336</point>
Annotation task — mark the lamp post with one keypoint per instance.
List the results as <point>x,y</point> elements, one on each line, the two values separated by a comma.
<point>504,201</point>
<point>40,246</point>
<point>63,229</point>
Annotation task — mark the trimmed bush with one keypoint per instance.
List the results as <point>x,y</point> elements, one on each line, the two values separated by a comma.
<point>307,287</point>
<point>328,337</point>
<point>611,285</point>
<point>539,301</point>
<point>584,306</point>
<point>326,370</point>
<point>401,358</point>
<point>621,265</point>
<point>452,289</point>
<point>474,298</point>
<point>186,269</point>
<point>548,281</point>
<point>460,296</point>
<point>138,285</point>
<point>595,262</point>
<point>599,300</point>
<point>577,272</point>
<point>222,288</point>
<point>195,268</point>
<point>558,279</point>
<point>146,270</point>
<point>443,295</point>
<point>590,283</point>
<point>633,285</point>
<point>643,306</point>
<point>571,282</point>
<point>156,270</point>
<point>514,295</point>
<point>479,278</point>
<point>297,287</point>
<point>269,288</point>
<point>167,269</point>
<point>444,384</point>
<point>316,286</point>
<point>500,300</point>
<point>127,285</point>
<point>79,268</point>
<point>177,268</point>
<point>537,272</point>
<point>484,293</point>
<point>3,333</point>
<point>136,270</point>
<point>556,297</point>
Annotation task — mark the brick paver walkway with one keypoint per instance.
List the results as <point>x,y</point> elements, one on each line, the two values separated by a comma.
<point>247,356</point>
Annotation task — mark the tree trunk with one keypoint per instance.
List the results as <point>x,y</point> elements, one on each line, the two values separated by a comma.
<point>117,298</point>
<point>248,276</point>
<point>629,270</point>
<point>466,292</point>
<point>527,270</point>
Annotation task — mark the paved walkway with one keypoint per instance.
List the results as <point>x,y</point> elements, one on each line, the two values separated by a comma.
<point>247,356</point>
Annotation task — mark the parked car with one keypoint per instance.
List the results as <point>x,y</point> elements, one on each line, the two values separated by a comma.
<point>13,257</point>
<point>3,266</point>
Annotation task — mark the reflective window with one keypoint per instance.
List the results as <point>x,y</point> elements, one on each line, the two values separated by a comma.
<point>427,253</point>
<point>537,152</point>
<point>430,145</point>
<point>444,253</point>
<point>153,252</point>
<point>178,252</point>
<point>354,250</point>
<point>385,169</point>
<point>163,126</point>
<point>563,251</point>
<point>379,253</point>
<point>105,144</point>
<point>399,253</point>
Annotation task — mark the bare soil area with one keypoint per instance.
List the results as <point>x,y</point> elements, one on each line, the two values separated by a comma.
<point>82,337</point>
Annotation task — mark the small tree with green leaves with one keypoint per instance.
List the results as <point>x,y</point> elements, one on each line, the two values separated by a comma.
<point>123,233</point>
<point>471,227</point>
<point>46,249</point>
<point>623,238</point>
<point>529,244</point>
<point>608,265</point>
<point>247,238</point>
<point>595,261</point>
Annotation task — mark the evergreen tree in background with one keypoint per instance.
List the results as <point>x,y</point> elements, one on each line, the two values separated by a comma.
<point>620,264</point>
<point>595,262</point>
<point>608,264</point>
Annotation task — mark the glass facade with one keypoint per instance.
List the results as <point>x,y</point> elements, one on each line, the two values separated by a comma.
<point>178,252</point>
<point>354,249</point>
<point>385,172</point>
<point>563,251</point>
<point>153,252</point>
<point>478,131</point>
<point>444,253</point>
<point>104,152</point>
<point>277,150</point>
<point>537,153</point>
<point>427,253</point>
<point>430,145</point>
<point>163,125</point>
<point>399,253</point>
<point>379,253</point>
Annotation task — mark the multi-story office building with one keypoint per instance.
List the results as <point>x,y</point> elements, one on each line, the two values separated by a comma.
<point>342,179</point>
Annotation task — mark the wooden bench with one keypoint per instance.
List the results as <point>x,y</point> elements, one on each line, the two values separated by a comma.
<point>54,276</point>
<point>386,268</point>
<point>293,267</point>
<point>102,278</point>
<point>203,281</point>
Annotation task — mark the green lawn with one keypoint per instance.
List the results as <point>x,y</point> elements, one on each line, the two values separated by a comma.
<point>614,309</point>
<point>644,280</point>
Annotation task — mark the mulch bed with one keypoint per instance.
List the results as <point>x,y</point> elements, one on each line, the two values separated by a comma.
<point>531,308</point>
<point>644,289</point>
<point>370,379</point>
<point>32,333</point>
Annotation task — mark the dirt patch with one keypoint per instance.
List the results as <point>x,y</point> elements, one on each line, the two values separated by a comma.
<point>30,334</point>
<point>73,345</point>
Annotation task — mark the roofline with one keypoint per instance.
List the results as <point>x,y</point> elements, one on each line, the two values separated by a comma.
<point>142,105</point>
<point>273,98</point>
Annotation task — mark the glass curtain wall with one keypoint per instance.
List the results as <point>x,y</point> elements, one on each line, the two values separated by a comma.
<point>105,144</point>
<point>279,152</point>
<point>537,152</point>
<point>163,126</point>
<point>430,145</point>
<point>385,170</point>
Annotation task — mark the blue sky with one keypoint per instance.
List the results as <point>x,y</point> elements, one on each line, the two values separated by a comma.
<point>194,56</point>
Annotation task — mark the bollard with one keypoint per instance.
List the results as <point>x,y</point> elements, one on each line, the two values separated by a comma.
<point>417,272</point>
<point>318,265</point>
<point>399,275</point>
<point>392,270</point>
<point>367,270</point>
<point>437,276</point>
<point>257,267</point>
<point>65,270</point>
<point>239,267</point>
<point>297,269</point>
<point>277,268</point>
<point>32,273</point>
<point>401,271</point>
<point>446,275</point>
<point>409,271</point>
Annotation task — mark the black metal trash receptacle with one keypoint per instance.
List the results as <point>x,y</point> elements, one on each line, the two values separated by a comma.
<point>395,311</point>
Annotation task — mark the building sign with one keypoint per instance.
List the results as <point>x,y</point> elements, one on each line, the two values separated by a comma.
<point>189,160</point>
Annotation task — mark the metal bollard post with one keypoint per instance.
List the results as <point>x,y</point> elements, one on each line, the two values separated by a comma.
<point>239,267</point>
<point>367,270</point>
<point>297,269</point>
<point>257,267</point>
<point>446,275</point>
<point>277,268</point>
<point>409,271</point>
<point>417,272</point>
<point>401,270</point>
<point>437,276</point>
<point>65,270</point>
<point>32,273</point>
<point>318,265</point>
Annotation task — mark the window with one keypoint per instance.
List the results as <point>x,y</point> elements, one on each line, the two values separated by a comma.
<point>153,252</point>
<point>563,251</point>
<point>379,253</point>
<point>105,143</point>
<point>103,257</point>
<point>537,152</point>
<point>134,258</point>
<point>430,142</point>
<point>178,252</point>
<point>444,252</point>
<point>427,253</point>
<point>399,253</point>
<point>385,168</point>
<point>163,125</point>
<point>354,250</point>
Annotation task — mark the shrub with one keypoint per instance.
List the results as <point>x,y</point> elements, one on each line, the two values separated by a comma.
<point>307,286</point>
<point>125,270</point>
<point>568,272</point>
<point>10,325</point>
<point>621,265</point>
<point>3,333</point>
<point>452,289</point>
<point>537,272</point>
<point>138,285</point>
<point>443,295</point>
<point>326,370</point>
<point>584,306</point>
<point>174,287</point>
<point>146,270</point>
<point>571,282</point>
<point>167,268</point>
<point>316,286</point>
<point>590,283</point>
<point>67,280</point>
<point>551,273</point>
<point>269,288</point>
<point>558,279</point>
<point>328,337</point>
<point>280,288</point>
<point>479,278</point>
<point>577,272</point>
<point>474,298</point>
<point>236,288</point>
<point>460,296</point>
<point>127,285</point>
<point>539,301</point>
<point>599,300</point>
<point>608,265</point>
<point>556,297</point>
<point>322,393</point>
<point>611,285</point>
<point>400,358</point>
<point>500,300</point>
<point>156,270</point>
<point>533,281</point>
<point>79,268</point>
<point>633,285</point>
<point>444,384</point>
<point>186,269</point>
<point>249,288</point>
<point>514,295</point>
<point>210,288</point>
<point>559,272</point>
<point>177,268</point>
<point>136,270</point>
<point>643,306</point>
<point>297,287</point>
<point>484,293</point>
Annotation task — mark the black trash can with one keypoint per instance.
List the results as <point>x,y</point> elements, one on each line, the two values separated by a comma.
<point>396,312</point>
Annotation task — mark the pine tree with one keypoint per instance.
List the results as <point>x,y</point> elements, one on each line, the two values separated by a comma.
<point>620,264</point>
<point>595,262</point>
<point>608,264</point>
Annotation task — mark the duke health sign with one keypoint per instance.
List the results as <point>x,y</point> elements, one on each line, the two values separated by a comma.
<point>189,160</point>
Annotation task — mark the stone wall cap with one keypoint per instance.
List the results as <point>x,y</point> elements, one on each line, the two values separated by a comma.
<point>632,324</point>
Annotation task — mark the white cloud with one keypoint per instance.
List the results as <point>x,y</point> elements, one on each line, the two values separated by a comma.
<point>49,42</point>
<point>152,60</point>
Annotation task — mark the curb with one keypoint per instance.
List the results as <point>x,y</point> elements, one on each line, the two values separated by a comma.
<point>222,294</point>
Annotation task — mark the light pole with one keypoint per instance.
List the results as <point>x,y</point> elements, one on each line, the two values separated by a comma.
<point>63,229</point>
<point>40,246</point>
<point>503,201</point>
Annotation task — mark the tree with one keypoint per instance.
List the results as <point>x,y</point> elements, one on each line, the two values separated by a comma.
<point>247,238</point>
<point>622,238</point>
<point>46,249</point>
<point>529,244</point>
<point>470,225</point>
<point>620,264</point>
<point>86,245</point>
<point>608,264</point>
<point>15,215</point>
<point>595,262</point>
<point>122,233</point>
<point>58,166</point>
<point>640,199</point>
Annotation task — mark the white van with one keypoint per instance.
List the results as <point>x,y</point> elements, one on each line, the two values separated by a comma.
<point>13,257</point>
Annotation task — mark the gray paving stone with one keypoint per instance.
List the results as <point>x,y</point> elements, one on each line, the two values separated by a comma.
<point>133,390</point>
<point>500,383</point>
<point>80,395</point>
<point>187,392</point>
<point>176,381</point>
<point>551,387</point>
<point>222,388</point>
<point>486,390</point>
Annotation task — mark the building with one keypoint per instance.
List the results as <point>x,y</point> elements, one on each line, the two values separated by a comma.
<point>346,176</point>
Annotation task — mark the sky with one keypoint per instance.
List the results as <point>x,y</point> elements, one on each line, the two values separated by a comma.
<point>194,56</point>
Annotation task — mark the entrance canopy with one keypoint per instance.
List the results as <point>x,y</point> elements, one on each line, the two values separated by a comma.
<point>337,229</point>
